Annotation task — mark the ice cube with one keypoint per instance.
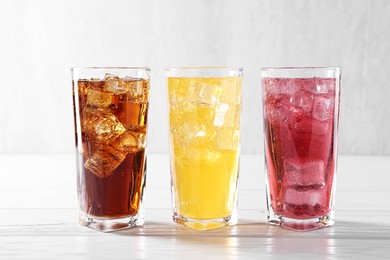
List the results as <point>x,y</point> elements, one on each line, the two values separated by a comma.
<point>227,138</point>
<point>98,99</point>
<point>82,87</point>
<point>102,126</point>
<point>104,161</point>
<point>196,156</point>
<point>176,101</point>
<point>231,91</point>
<point>134,88</point>
<point>322,108</point>
<point>212,155</point>
<point>116,86</point>
<point>94,84</point>
<point>137,89</point>
<point>130,141</point>
<point>319,85</point>
<point>182,155</point>
<point>180,103</point>
<point>179,99</point>
<point>303,100</point>
<point>309,125</point>
<point>129,78</point>
<point>280,86</point>
<point>195,134</point>
<point>109,76</point>
<point>310,197</point>
<point>204,94</point>
<point>132,115</point>
<point>220,112</point>
<point>278,112</point>
<point>227,115</point>
<point>304,173</point>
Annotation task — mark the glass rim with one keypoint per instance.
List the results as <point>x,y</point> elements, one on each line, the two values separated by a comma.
<point>300,72</point>
<point>205,67</point>
<point>203,72</point>
<point>301,68</point>
<point>114,67</point>
<point>186,68</point>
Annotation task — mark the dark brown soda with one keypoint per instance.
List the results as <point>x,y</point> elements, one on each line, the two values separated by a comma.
<point>110,138</point>
<point>117,195</point>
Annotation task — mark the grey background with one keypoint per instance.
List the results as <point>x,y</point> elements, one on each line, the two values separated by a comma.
<point>41,40</point>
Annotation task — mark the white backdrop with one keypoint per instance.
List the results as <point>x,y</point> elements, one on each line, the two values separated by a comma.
<point>41,40</point>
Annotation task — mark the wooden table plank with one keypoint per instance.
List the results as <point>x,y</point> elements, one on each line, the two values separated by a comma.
<point>38,217</point>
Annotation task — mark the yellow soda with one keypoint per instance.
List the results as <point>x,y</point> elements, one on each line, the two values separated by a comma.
<point>204,116</point>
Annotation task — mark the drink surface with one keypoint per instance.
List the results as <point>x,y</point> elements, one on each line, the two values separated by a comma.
<point>204,135</point>
<point>300,149</point>
<point>111,141</point>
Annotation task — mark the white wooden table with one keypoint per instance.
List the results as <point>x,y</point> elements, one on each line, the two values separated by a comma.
<point>38,216</point>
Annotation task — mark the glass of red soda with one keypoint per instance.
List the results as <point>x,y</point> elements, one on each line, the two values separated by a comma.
<point>301,114</point>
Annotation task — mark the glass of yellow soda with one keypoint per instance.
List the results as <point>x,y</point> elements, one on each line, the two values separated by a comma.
<point>204,130</point>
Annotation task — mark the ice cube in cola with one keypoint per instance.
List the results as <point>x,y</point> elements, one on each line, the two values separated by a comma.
<point>113,121</point>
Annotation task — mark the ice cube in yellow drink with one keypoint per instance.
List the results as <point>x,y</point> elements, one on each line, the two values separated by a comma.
<point>204,134</point>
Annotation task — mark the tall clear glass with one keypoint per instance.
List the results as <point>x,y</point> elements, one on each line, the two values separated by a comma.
<point>301,114</point>
<point>204,119</point>
<point>110,116</point>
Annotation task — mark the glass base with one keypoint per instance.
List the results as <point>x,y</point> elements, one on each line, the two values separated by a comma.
<point>301,224</point>
<point>207,224</point>
<point>111,224</point>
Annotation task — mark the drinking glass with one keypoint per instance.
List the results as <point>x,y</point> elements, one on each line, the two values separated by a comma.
<point>204,120</point>
<point>301,114</point>
<point>110,116</point>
